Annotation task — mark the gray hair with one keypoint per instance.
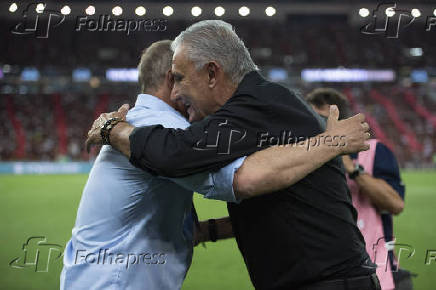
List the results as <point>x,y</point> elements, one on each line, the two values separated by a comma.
<point>216,40</point>
<point>155,63</point>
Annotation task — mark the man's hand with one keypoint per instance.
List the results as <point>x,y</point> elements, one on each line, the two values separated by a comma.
<point>355,131</point>
<point>94,134</point>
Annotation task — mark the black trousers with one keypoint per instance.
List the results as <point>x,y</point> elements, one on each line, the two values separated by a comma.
<point>356,283</point>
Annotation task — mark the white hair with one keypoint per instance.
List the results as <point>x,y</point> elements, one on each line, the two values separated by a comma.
<point>215,40</point>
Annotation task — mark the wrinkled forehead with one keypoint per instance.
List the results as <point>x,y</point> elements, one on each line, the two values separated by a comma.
<point>178,58</point>
<point>179,51</point>
<point>181,63</point>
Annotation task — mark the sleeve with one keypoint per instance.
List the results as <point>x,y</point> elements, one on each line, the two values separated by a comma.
<point>214,185</point>
<point>188,225</point>
<point>386,168</point>
<point>206,145</point>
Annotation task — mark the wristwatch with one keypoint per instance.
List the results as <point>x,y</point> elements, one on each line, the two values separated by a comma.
<point>106,129</point>
<point>358,169</point>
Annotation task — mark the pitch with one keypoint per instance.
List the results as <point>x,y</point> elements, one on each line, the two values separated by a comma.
<point>45,206</point>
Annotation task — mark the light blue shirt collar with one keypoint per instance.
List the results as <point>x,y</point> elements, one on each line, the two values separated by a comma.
<point>153,103</point>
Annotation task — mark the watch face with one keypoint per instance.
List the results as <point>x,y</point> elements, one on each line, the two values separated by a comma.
<point>103,125</point>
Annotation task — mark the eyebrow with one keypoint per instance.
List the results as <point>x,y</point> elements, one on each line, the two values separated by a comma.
<point>177,75</point>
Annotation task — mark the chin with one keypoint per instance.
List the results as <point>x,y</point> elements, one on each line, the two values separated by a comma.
<point>184,114</point>
<point>194,118</point>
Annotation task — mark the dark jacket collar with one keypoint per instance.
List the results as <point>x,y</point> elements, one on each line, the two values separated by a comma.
<point>247,84</point>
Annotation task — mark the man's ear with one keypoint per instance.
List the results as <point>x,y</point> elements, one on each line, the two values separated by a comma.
<point>169,80</point>
<point>213,70</point>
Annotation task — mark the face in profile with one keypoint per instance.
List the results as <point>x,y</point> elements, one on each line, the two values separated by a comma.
<point>323,110</point>
<point>191,87</point>
<point>178,104</point>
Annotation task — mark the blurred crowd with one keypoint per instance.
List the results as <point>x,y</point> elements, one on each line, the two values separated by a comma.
<point>54,127</point>
<point>32,128</point>
<point>298,42</point>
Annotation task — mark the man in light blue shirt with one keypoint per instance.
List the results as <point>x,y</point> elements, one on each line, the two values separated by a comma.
<point>129,232</point>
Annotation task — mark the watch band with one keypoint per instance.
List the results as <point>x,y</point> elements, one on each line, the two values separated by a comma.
<point>357,171</point>
<point>212,230</point>
<point>106,129</point>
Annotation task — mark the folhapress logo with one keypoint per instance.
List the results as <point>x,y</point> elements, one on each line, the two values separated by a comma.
<point>37,21</point>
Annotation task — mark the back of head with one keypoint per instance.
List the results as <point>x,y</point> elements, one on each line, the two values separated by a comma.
<point>327,96</point>
<point>155,63</point>
<point>215,40</point>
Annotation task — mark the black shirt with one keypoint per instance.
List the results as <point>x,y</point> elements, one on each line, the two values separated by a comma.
<point>296,236</point>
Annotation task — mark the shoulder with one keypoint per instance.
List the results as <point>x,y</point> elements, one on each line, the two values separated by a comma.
<point>263,94</point>
<point>386,167</point>
<point>141,116</point>
<point>382,152</point>
<point>384,161</point>
<point>261,87</point>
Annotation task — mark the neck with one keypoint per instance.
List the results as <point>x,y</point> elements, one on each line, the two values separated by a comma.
<point>226,94</point>
<point>161,94</point>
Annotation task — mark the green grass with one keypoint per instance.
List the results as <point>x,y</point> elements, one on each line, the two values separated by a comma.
<point>46,206</point>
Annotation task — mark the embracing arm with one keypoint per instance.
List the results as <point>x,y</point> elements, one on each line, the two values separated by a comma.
<point>119,138</point>
<point>279,167</point>
<point>221,229</point>
<point>264,171</point>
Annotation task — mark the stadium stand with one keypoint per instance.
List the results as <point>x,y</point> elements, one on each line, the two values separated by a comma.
<point>51,124</point>
<point>50,127</point>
